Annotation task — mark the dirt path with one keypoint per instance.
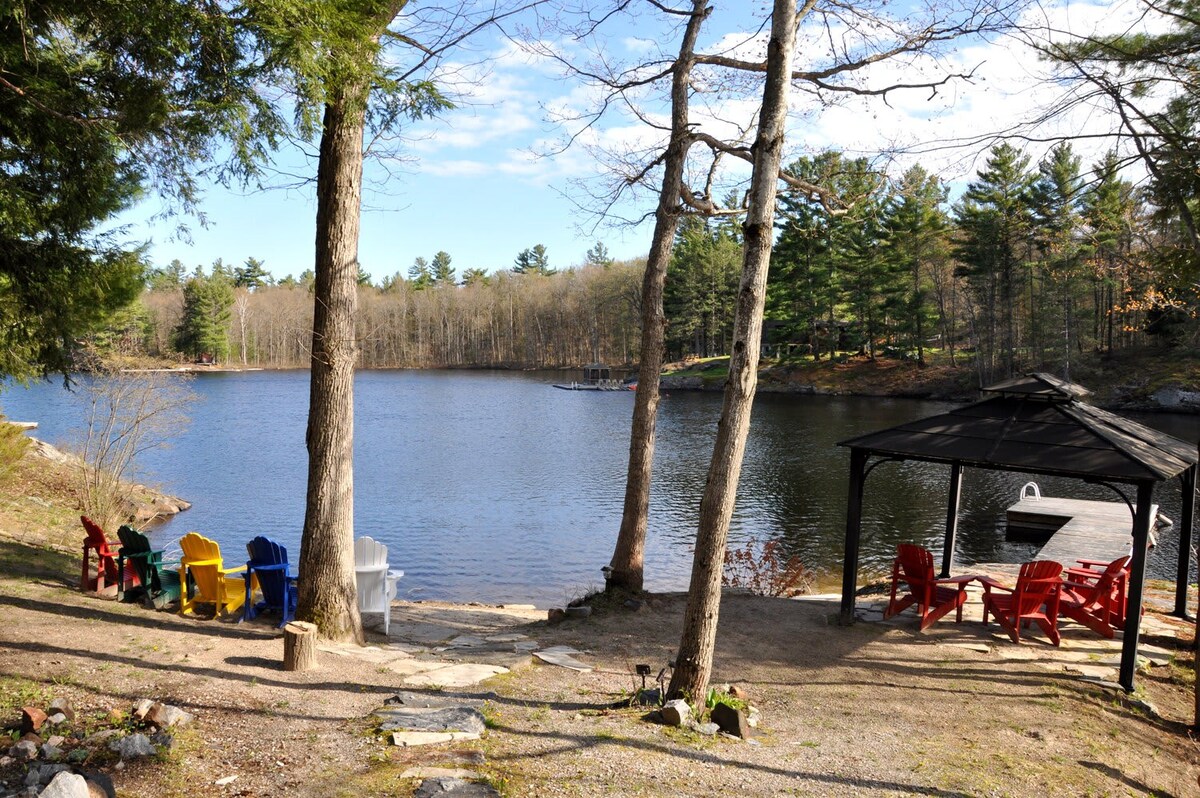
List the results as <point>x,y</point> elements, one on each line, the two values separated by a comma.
<point>874,710</point>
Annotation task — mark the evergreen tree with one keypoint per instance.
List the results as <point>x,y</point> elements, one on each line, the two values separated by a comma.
<point>419,274</point>
<point>873,291</point>
<point>701,288</point>
<point>822,259</point>
<point>167,278</point>
<point>1108,209</point>
<point>1057,200</point>
<point>252,275</point>
<point>918,240</point>
<point>474,276</point>
<point>995,221</point>
<point>598,256</point>
<point>392,283</point>
<point>207,310</point>
<point>96,101</point>
<point>441,271</point>
<point>533,261</point>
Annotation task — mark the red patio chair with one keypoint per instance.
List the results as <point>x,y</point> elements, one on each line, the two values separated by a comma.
<point>1035,598</point>
<point>1094,598</point>
<point>933,597</point>
<point>1093,569</point>
<point>106,559</point>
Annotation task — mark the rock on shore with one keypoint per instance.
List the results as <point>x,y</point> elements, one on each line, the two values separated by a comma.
<point>147,503</point>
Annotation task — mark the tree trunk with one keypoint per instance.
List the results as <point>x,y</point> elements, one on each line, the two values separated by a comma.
<point>327,591</point>
<point>693,665</point>
<point>627,560</point>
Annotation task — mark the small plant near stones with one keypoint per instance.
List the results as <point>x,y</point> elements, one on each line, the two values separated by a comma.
<point>719,696</point>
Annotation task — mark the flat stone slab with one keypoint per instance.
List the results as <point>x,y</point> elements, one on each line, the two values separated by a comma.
<point>411,667</point>
<point>462,675</point>
<point>466,641</point>
<point>454,788</point>
<point>414,738</point>
<point>445,719</point>
<point>380,656</point>
<point>1100,672</point>
<point>423,632</point>
<point>507,638</point>
<point>439,773</point>
<point>561,656</point>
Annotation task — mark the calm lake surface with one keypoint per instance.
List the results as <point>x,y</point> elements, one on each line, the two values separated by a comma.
<point>493,486</point>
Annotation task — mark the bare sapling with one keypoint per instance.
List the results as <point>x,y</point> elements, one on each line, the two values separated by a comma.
<point>125,415</point>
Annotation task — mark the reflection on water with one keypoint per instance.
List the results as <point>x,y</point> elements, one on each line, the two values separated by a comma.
<point>492,486</point>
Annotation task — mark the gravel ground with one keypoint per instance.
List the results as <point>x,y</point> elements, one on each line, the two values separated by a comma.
<point>873,710</point>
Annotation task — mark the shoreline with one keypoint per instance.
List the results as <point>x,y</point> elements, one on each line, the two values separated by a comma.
<point>1154,383</point>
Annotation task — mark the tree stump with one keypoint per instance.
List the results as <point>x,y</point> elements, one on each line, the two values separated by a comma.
<point>299,646</point>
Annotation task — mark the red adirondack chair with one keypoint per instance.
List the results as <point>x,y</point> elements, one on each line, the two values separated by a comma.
<point>933,597</point>
<point>1035,598</point>
<point>106,559</point>
<point>1095,598</point>
<point>1093,569</point>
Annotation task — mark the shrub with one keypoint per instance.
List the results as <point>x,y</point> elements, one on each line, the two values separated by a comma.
<point>13,445</point>
<point>765,571</point>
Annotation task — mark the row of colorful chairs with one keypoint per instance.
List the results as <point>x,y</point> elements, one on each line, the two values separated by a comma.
<point>200,577</point>
<point>1093,594</point>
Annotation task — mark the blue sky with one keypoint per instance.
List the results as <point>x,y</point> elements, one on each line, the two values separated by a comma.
<point>478,183</point>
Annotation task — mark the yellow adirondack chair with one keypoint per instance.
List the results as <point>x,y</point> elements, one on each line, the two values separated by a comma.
<point>214,585</point>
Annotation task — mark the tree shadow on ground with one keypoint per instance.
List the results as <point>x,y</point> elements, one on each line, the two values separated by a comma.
<point>578,742</point>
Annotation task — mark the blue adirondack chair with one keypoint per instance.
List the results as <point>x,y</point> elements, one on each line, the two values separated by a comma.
<point>269,562</point>
<point>159,581</point>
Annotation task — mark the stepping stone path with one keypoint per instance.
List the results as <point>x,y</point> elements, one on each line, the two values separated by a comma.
<point>449,646</point>
<point>434,645</point>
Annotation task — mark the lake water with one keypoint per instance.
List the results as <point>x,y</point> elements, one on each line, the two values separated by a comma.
<point>493,486</point>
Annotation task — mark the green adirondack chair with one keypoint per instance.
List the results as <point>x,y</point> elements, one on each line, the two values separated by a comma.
<point>160,582</point>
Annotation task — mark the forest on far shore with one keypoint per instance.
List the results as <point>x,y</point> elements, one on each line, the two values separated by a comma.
<point>1035,266</point>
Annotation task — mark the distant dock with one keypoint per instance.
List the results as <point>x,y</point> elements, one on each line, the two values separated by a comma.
<point>1079,529</point>
<point>24,424</point>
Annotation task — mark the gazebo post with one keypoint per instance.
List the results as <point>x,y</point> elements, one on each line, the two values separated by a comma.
<point>854,497</point>
<point>1187,481</point>
<point>952,504</point>
<point>1137,580</point>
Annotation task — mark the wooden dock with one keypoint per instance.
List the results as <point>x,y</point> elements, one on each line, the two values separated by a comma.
<point>1082,529</point>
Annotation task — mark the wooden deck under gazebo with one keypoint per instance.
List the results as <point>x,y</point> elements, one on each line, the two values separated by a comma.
<point>1038,425</point>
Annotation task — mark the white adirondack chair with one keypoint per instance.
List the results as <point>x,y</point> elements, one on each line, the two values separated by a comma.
<point>376,582</point>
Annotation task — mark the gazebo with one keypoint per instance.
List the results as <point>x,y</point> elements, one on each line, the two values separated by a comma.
<point>1036,424</point>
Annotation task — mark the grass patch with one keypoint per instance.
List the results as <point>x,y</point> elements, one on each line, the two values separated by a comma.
<point>17,692</point>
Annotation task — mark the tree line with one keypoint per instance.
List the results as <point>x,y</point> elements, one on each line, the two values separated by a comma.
<point>1034,266</point>
<point>535,318</point>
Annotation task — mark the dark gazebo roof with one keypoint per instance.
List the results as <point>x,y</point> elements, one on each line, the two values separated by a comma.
<point>1037,423</point>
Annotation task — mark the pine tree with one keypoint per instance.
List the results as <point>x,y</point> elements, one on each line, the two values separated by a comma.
<point>918,240</point>
<point>441,271</point>
<point>419,275</point>
<point>598,256</point>
<point>252,275</point>
<point>995,220</point>
<point>1057,196</point>
<point>207,311</point>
